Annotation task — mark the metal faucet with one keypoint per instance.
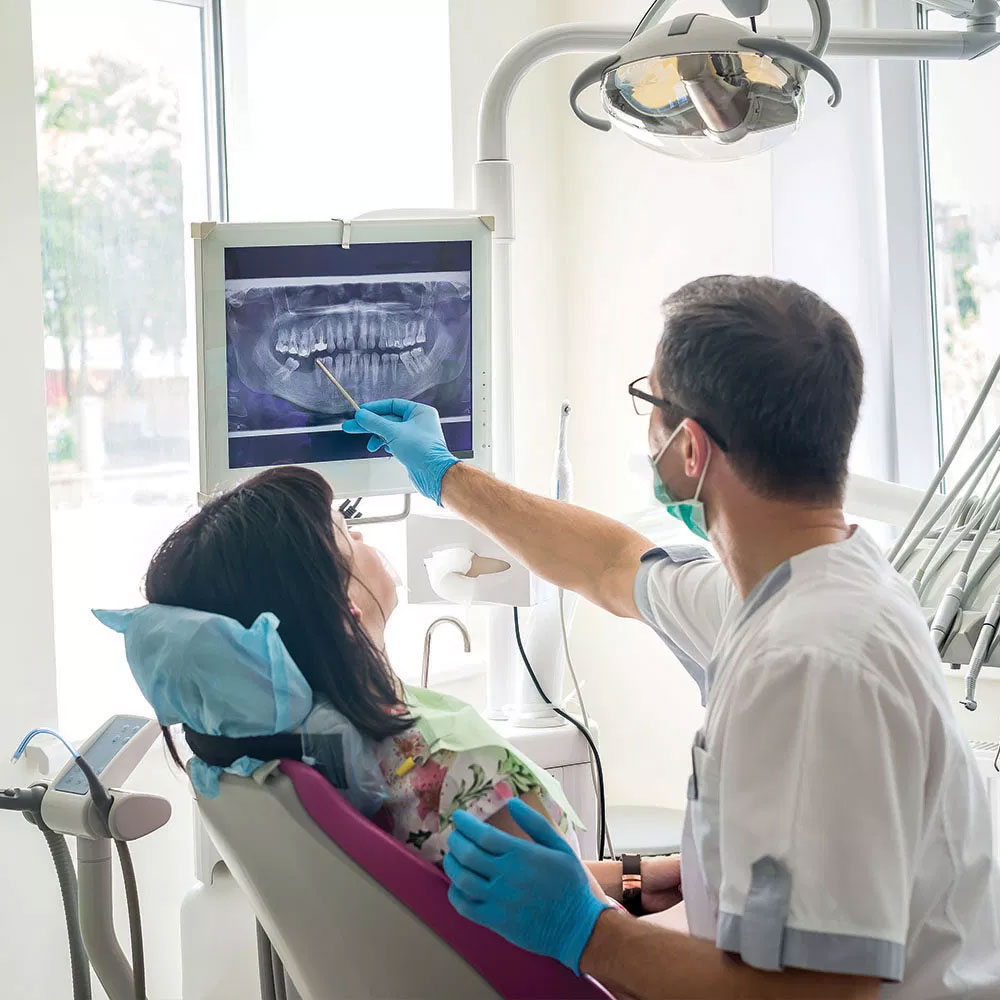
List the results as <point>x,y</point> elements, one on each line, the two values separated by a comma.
<point>425,668</point>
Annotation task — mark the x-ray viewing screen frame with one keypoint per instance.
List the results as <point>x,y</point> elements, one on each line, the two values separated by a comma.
<point>224,460</point>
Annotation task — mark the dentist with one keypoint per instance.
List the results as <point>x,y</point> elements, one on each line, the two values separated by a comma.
<point>837,842</point>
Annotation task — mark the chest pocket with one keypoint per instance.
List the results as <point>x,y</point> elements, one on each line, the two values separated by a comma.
<point>703,805</point>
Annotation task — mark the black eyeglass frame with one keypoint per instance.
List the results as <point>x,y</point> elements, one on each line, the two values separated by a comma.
<point>665,404</point>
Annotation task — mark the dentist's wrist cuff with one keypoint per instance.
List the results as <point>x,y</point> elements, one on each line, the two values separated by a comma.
<point>429,482</point>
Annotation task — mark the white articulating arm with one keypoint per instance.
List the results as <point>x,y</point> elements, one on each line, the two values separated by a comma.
<point>561,39</point>
<point>883,501</point>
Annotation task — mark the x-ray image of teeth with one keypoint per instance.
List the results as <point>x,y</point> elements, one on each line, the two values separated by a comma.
<point>378,336</point>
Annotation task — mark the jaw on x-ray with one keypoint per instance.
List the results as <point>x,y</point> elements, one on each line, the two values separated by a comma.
<point>379,336</point>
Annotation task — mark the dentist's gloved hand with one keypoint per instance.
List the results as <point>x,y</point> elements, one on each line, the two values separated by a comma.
<point>533,892</point>
<point>412,433</point>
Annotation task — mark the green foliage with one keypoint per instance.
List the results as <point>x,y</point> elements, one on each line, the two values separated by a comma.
<point>111,196</point>
<point>963,258</point>
<point>64,447</point>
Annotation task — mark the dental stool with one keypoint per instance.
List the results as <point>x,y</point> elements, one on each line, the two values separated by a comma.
<point>352,912</point>
<point>646,830</point>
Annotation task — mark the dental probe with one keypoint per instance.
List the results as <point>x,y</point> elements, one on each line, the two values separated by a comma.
<point>326,371</point>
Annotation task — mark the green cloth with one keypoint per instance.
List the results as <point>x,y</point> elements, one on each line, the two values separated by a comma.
<point>448,723</point>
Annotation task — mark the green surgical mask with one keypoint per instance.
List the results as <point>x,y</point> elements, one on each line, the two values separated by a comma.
<point>690,512</point>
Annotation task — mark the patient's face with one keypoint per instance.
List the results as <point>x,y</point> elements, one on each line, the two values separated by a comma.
<point>371,588</point>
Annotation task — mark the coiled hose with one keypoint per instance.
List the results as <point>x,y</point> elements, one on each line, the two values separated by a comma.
<point>79,962</point>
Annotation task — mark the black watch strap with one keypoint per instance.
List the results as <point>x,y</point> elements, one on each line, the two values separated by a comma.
<point>632,883</point>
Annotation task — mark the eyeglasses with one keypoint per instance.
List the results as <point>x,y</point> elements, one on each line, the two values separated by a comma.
<point>643,402</point>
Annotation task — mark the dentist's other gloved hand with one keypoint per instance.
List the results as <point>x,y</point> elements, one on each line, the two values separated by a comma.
<point>412,433</point>
<point>533,892</point>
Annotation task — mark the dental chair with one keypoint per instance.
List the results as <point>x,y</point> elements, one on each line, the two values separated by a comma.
<point>352,912</point>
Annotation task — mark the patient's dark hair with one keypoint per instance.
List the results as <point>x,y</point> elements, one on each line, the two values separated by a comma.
<point>269,545</point>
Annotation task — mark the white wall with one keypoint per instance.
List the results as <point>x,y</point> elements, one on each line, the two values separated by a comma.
<point>30,917</point>
<point>633,227</point>
<point>481,34</point>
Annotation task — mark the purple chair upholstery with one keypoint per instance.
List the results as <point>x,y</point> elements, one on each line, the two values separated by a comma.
<point>423,888</point>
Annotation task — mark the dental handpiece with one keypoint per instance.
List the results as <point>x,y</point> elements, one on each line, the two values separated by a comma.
<point>984,643</point>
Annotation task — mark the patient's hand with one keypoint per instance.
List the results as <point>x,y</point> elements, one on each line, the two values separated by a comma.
<point>661,883</point>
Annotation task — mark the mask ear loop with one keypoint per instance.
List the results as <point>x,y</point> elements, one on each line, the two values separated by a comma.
<point>704,471</point>
<point>670,441</point>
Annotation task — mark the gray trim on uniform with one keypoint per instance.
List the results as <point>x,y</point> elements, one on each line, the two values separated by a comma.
<point>678,554</point>
<point>840,953</point>
<point>765,913</point>
<point>765,590</point>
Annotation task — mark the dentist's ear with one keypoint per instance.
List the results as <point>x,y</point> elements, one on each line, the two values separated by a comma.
<point>696,448</point>
<point>355,611</point>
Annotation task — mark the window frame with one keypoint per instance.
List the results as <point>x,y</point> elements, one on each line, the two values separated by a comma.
<point>911,291</point>
<point>217,190</point>
<point>212,68</point>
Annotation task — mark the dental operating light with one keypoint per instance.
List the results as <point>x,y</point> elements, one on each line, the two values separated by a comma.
<point>706,88</point>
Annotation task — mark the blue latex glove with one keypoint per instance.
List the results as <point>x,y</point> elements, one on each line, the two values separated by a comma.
<point>412,433</point>
<point>533,892</point>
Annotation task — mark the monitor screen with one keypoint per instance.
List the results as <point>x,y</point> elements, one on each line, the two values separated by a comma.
<point>385,319</point>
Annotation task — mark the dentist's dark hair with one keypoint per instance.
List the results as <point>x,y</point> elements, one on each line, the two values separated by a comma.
<point>776,370</point>
<point>269,544</point>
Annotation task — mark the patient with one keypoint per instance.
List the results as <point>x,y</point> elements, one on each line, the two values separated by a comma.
<point>275,544</point>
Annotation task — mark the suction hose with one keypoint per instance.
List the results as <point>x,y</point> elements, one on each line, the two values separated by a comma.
<point>66,873</point>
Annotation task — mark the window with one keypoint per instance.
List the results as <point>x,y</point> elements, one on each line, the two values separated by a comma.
<point>122,166</point>
<point>335,107</point>
<point>318,109</point>
<point>321,122</point>
<point>965,205</point>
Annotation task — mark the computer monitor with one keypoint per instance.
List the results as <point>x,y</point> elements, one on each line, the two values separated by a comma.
<point>396,307</point>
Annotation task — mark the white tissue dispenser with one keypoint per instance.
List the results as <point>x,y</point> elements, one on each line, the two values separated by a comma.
<point>439,548</point>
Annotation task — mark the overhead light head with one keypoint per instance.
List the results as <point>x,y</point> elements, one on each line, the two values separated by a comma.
<point>702,88</point>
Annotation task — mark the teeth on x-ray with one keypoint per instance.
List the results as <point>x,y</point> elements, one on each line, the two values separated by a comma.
<point>378,340</point>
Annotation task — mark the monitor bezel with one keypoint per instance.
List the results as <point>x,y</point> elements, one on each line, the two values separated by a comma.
<point>382,476</point>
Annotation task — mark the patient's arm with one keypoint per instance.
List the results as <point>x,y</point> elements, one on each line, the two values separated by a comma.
<point>503,820</point>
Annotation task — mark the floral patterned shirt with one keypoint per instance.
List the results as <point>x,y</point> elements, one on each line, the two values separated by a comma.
<point>423,795</point>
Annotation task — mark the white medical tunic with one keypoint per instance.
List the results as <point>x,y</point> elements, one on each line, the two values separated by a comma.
<point>836,820</point>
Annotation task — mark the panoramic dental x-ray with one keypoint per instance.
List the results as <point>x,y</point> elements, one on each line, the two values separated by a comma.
<point>384,319</point>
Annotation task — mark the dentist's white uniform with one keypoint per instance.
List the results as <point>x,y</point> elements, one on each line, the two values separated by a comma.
<point>836,820</point>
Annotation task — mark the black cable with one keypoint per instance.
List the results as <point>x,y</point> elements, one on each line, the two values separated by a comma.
<point>103,802</point>
<point>649,10</point>
<point>100,796</point>
<point>134,919</point>
<point>280,988</point>
<point>601,807</point>
<point>265,964</point>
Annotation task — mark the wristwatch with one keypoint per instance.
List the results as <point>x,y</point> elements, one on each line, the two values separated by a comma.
<point>632,883</point>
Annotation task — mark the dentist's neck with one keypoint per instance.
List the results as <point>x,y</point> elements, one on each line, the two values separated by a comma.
<point>754,535</point>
